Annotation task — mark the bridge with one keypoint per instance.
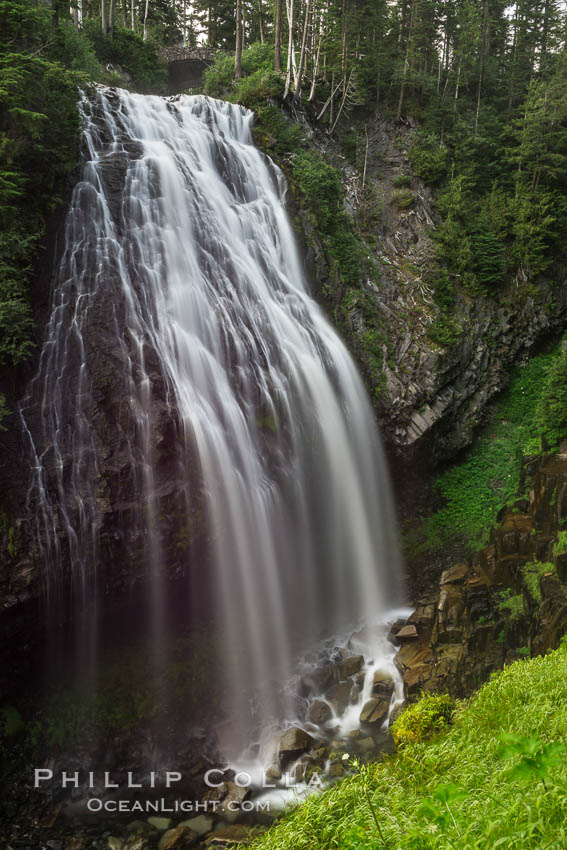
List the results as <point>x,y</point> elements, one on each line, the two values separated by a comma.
<point>185,65</point>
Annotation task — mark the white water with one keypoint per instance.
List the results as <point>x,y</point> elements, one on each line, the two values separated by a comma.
<point>266,396</point>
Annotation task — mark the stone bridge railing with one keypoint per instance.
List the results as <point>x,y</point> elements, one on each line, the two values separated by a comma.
<point>181,54</point>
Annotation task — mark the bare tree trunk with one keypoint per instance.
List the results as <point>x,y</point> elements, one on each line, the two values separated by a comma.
<point>238,42</point>
<point>103,17</point>
<point>261,22</point>
<point>365,158</point>
<point>132,16</point>
<point>146,20</point>
<point>315,69</point>
<point>299,74</point>
<point>406,63</point>
<point>482,55</point>
<point>290,49</point>
<point>278,36</point>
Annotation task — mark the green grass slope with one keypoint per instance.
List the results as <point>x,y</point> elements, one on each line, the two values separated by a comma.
<point>496,778</point>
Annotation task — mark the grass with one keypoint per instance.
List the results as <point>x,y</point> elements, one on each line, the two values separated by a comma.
<point>474,490</point>
<point>496,779</point>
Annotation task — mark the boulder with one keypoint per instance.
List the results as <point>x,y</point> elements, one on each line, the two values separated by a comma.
<point>228,836</point>
<point>408,632</point>
<point>293,742</point>
<point>201,824</point>
<point>366,745</point>
<point>235,795</point>
<point>159,823</point>
<point>318,681</point>
<point>374,712</point>
<point>339,695</point>
<point>455,574</point>
<point>319,712</point>
<point>178,838</point>
<point>350,666</point>
<point>383,685</point>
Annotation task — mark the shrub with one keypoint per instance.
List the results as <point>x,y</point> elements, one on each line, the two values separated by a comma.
<point>136,57</point>
<point>552,407</point>
<point>403,198</point>
<point>425,718</point>
<point>402,181</point>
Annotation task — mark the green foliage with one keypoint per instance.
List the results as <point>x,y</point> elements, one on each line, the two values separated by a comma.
<point>402,181</point>
<point>403,198</point>
<point>552,406</point>
<point>560,547</point>
<point>10,721</point>
<point>536,760</point>
<point>425,718</point>
<point>136,57</point>
<point>512,606</point>
<point>429,158</point>
<point>474,490</point>
<point>531,575</point>
<point>468,787</point>
<point>257,63</point>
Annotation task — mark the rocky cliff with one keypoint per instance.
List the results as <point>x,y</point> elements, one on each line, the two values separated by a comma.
<point>428,398</point>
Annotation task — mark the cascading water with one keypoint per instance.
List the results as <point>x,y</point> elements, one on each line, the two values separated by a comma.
<point>211,328</point>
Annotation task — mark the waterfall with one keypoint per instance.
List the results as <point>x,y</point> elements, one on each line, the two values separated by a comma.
<point>181,306</point>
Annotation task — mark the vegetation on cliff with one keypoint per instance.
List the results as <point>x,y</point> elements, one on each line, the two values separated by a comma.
<point>495,778</point>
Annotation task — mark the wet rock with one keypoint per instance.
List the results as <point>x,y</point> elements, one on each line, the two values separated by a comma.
<point>235,796</point>
<point>455,574</point>
<point>178,838</point>
<point>382,685</point>
<point>136,842</point>
<point>228,836</point>
<point>336,770</point>
<point>350,666</point>
<point>408,632</point>
<point>366,745</point>
<point>318,681</point>
<point>339,696</point>
<point>374,712</point>
<point>355,692</point>
<point>319,712</point>
<point>293,742</point>
<point>201,824</point>
<point>159,823</point>
<point>114,843</point>
<point>77,842</point>
<point>273,773</point>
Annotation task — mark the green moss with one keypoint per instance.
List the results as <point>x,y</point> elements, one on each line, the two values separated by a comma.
<point>425,718</point>
<point>512,606</point>
<point>531,575</point>
<point>476,488</point>
<point>560,547</point>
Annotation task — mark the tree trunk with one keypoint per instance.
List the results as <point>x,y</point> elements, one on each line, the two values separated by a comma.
<point>238,42</point>
<point>278,37</point>
<point>261,22</point>
<point>299,74</point>
<point>111,17</point>
<point>132,16</point>
<point>103,17</point>
<point>146,19</point>
<point>290,48</point>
